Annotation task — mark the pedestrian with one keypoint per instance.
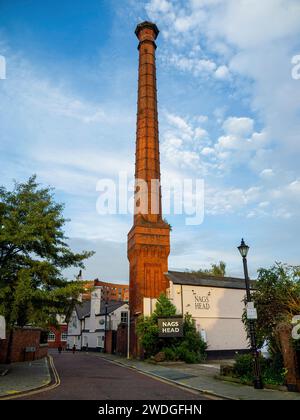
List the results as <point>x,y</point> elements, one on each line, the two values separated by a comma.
<point>59,349</point>
<point>74,349</point>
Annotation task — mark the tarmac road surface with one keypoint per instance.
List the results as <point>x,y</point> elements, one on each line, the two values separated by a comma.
<point>86,376</point>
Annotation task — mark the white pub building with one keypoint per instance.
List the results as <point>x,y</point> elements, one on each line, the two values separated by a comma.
<point>216,305</point>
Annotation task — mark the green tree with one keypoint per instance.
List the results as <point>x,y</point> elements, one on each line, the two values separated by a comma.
<point>164,308</point>
<point>190,348</point>
<point>33,254</point>
<point>218,270</point>
<point>277,299</point>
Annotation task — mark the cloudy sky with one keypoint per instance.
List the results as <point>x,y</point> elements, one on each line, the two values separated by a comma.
<point>229,112</point>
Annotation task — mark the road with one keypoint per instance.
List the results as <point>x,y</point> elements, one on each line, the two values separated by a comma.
<point>86,376</point>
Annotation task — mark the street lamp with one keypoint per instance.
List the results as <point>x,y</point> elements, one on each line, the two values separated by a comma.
<point>258,384</point>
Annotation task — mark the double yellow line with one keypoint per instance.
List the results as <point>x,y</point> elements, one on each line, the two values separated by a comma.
<point>39,390</point>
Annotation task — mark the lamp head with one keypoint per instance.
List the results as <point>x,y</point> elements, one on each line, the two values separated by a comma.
<point>243,248</point>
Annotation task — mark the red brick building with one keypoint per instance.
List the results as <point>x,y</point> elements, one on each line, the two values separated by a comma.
<point>110,291</point>
<point>57,336</point>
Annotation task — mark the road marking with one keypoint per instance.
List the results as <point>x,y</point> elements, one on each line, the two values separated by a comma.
<point>38,391</point>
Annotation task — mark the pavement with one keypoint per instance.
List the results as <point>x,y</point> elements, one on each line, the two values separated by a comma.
<point>25,376</point>
<point>202,378</point>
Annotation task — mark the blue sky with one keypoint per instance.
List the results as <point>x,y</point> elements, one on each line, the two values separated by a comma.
<point>228,108</point>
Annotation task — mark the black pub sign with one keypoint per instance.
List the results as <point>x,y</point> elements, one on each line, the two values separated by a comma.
<point>170,327</point>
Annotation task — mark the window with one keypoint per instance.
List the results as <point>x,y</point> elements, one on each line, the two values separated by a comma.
<point>99,341</point>
<point>74,321</point>
<point>51,336</point>
<point>124,317</point>
<point>64,336</point>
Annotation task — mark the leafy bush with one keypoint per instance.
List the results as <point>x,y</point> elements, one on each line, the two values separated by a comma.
<point>188,356</point>
<point>170,353</point>
<point>190,348</point>
<point>243,367</point>
<point>272,370</point>
<point>148,332</point>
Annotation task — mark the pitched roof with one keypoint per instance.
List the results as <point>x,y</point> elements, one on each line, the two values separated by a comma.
<point>197,279</point>
<point>111,306</point>
<point>83,309</point>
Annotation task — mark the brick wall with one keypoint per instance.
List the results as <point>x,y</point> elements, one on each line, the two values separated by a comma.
<point>122,340</point>
<point>108,341</point>
<point>42,351</point>
<point>22,338</point>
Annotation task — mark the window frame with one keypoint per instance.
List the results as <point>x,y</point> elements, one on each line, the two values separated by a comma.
<point>124,314</point>
<point>53,337</point>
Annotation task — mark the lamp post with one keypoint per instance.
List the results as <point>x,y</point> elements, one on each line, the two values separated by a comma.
<point>105,322</point>
<point>258,384</point>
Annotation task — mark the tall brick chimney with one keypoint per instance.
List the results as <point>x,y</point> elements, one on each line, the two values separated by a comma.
<point>149,238</point>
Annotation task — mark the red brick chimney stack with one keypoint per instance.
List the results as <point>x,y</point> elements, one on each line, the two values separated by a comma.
<point>147,165</point>
<point>149,238</point>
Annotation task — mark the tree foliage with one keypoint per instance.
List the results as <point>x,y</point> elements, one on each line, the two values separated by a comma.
<point>33,254</point>
<point>190,348</point>
<point>277,299</point>
<point>218,270</point>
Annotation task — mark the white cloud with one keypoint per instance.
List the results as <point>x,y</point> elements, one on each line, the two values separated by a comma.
<point>267,173</point>
<point>180,123</point>
<point>207,151</point>
<point>240,145</point>
<point>264,204</point>
<point>253,41</point>
<point>182,141</point>
<point>187,144</point>
<point>294,187</point>
<point>250,23</point>
<point>239,127</point>
<point>197,66</point>
<point>158,6</point>
<point>222,73</point>
<point>200,133</point>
